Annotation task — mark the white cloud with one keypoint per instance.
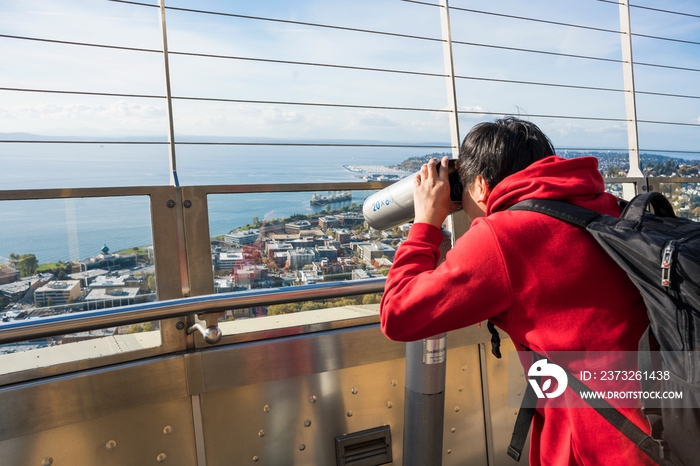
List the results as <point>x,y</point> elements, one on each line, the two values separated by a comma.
<point>370,118</point>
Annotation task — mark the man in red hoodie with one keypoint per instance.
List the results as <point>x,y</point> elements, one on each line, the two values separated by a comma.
<point>546,283</point>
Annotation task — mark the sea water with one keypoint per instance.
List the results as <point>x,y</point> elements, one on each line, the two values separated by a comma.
<point>77,228</point>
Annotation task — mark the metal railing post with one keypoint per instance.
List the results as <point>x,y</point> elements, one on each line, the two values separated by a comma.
<point>629,190</point>
<point>450,79</point>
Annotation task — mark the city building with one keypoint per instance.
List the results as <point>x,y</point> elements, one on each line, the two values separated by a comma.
<point>102,298</point>
<point>369,252</point>
<point>106,260</point>
<point>329,221</point>
<point>8,275</point>
<point>299,258</point>
<point>329,253</point>
<point>88,276</point>
<point>249,276</point>
<point>228,260</point>
<point>57,292</point>
<point>272,248</point>
<point>240,238</point>
<point>295,228</point>
<point>350,219</point>
<point>223,285</point>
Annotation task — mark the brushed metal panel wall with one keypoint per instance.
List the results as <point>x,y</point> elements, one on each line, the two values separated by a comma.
<point>294,421</point>
<point>347,382</point>
<point>152,434</point>
<point>502,410</point>
<point>464,438</point>
<point>272,402</point>
<point>129,414</point>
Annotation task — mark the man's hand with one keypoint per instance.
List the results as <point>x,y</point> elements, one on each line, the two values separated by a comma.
<point>431,194</point>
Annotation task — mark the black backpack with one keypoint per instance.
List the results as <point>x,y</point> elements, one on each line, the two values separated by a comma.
<point>661,254</point>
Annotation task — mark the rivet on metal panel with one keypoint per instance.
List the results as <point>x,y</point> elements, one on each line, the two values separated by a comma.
<point>170,203</point>
<point>460,388</point>
<point>389,404</point>
<point>261,433</point>
<point>312,399</point>
<point>307,422</point>
<point>453,430</point>
<point>393,383</point>
<point>111,445</point>
<point>353,391</point>
<point>302,447</point>
<point>168,430</point>
<point>161,458</point>
<point>256,458</point>
<point>456,409</point>
<point>464,368</point>
<point>187,204</point>
<point>267,408</point>
<point>48,461</point>
<point>349,414</point>
<point>449,452</point>
<point>180,325</point>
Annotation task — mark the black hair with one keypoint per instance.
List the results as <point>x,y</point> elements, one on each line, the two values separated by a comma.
<point>499,149</point>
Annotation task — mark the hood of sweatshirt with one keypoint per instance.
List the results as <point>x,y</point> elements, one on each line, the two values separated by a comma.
<point>577,181</point>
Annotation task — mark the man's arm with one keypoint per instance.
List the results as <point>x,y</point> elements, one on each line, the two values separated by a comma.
<point>421,300</point>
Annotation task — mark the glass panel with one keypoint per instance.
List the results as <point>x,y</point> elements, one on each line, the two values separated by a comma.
<point>63,256</point>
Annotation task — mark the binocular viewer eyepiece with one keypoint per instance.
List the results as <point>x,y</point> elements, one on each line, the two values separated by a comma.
<point>393,205</point>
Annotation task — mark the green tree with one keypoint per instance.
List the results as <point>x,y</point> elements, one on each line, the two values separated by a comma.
<point>371,299</point>
<point>14,259</point>
<point>27,265</point>
<point>256,220</point>
<point>151,282</point>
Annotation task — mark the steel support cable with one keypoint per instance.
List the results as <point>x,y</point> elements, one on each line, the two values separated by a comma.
<point>292,62</point>
<point>535,20</point>
<point>536,83</point>
<point>336,105</point>
<point>287,21</point>
<point>642,7</point>
<point>543,52</point>
<point>229,57</point>
<point>231,143</point>
<point>570,117</point>
<point>608,149</point>
<point>572,25</point>
<point>84,44</point>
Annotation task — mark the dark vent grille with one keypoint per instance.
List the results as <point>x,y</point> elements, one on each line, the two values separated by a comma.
<point>366,448</point>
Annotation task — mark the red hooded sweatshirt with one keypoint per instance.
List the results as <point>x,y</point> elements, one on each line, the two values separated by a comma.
<point>546,283</point>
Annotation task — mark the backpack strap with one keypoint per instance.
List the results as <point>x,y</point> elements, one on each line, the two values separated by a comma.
<point>644,442</point>
<point>570,213</point>
<point>522,423</point>
<point>640,204</point>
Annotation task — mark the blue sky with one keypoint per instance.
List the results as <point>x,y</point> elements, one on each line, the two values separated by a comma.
<point>37,65</point>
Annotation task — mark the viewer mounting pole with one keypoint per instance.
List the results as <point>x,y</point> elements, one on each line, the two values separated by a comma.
<point>424,395</point>
<point>168,99</point>
<point>629,190</point>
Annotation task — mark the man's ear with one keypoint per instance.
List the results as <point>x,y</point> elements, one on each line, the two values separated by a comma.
<point>482,189</point>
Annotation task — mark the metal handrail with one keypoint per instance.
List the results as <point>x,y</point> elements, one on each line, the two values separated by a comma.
<point>24,330</point>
